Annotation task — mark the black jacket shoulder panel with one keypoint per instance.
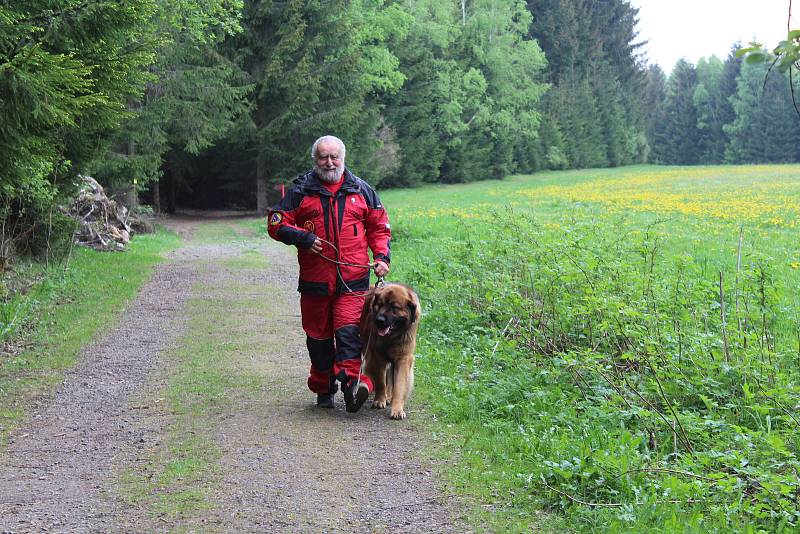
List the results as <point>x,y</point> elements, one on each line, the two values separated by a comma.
<point>307,183</point>
<point>290,201</point>
<point>354,184</point>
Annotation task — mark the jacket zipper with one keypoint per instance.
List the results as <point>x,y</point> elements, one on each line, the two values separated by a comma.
<point>332,217</point>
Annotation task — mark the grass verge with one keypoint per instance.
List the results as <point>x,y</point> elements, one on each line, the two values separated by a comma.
<point>67,308</point>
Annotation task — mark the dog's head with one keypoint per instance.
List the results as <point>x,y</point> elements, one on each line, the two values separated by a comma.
<point>395,308</point>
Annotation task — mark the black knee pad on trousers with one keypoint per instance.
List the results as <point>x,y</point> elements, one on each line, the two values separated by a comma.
<point>348,343</point>
<point>321,352</point>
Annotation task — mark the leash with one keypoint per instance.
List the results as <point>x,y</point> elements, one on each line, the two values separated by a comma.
<point>379,283</point>
<point>337,262</point>
<point>363,361</point>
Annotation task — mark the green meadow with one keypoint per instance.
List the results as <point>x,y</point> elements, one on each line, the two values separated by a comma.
<point>618,347</point>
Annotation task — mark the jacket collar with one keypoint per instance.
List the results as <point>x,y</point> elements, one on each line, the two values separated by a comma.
<point>310,184</point>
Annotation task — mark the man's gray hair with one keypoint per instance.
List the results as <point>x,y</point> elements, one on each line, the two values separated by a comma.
<point>327,138</point>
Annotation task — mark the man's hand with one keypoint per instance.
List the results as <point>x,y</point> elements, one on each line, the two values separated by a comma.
<point>316,247</point>
<point>381,268</point>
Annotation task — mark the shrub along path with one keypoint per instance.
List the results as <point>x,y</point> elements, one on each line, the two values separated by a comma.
<point>193,415</point>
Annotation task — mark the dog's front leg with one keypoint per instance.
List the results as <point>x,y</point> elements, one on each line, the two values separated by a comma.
<point>403,382</point>
<point>377,372</point>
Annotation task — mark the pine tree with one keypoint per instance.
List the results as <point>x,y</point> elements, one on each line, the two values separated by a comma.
<point>502,89</point>
<point>727,88</point>
<point>427,113</point>
<point>593,61</point>
<point>612,120</point>
<point>677,137</point>
<point>709,101</point>
<point>654,95</point>
<point>469,106</point>
<point>765,129</point>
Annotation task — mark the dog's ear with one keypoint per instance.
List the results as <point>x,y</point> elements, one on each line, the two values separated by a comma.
<point>368,299</point>
<point>412,311</point>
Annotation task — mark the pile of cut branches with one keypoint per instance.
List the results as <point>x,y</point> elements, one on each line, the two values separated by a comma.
<point>103,223</point>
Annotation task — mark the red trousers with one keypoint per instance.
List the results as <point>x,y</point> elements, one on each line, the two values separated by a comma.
<point>334,344</point>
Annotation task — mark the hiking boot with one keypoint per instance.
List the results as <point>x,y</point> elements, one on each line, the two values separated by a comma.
<point>325,400</point>
<point>354,400</point>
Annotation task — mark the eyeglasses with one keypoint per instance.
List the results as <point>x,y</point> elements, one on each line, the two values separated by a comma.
<point>332,157</point>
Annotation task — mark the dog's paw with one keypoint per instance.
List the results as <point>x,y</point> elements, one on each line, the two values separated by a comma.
<point>378,404</point>
<point>397,414</point>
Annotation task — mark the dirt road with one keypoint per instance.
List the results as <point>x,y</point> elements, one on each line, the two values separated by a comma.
<point>193,415</point>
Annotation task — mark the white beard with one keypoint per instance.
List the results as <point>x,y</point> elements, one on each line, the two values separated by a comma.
<point>329,176</point>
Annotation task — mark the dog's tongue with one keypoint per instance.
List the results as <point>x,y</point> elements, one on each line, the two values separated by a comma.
<point>384,331</point>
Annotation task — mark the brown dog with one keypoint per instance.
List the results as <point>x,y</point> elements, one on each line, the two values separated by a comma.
<point>389,332</point>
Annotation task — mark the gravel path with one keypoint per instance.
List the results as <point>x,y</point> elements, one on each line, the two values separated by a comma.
<point>286,466</point>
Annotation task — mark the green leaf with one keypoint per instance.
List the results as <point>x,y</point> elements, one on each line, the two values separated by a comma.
<point>743,51</point>
<point>755,57</point>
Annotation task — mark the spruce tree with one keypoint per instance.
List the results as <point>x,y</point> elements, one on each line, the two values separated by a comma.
<point>67,70</point>
<point>677,137</point>
<point>593,60</point>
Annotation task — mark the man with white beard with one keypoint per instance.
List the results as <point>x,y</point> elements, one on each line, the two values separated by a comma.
<point>334,219</point>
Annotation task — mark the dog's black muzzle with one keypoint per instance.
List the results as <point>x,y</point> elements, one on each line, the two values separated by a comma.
<point>384,321</point>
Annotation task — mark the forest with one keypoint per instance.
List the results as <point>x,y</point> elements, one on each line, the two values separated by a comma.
<point>176,103</point>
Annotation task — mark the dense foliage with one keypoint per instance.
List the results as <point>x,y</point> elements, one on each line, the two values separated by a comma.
<point>469,107</point>
<point>105,87</point>
<point>192,99</point>
<point>67,70</point>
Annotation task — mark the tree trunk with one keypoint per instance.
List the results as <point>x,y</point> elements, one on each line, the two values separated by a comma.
<point>130,192</point>
<point>171,183</point>
<point>156,196</point>
<point>172,206</point>
<point>130,196</point>
<point>262,204</point>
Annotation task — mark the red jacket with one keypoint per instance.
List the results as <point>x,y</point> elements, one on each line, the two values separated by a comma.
<point>352,219</point>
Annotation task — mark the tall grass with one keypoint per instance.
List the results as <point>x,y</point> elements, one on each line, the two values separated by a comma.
<point>631,368</point>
